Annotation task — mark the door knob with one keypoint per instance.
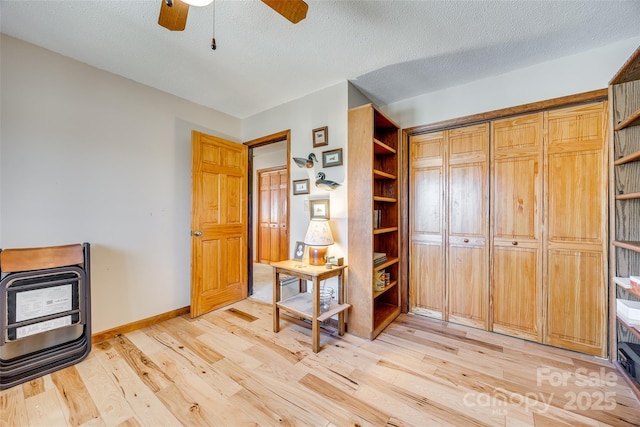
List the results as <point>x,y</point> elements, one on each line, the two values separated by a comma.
<point>197,233</point>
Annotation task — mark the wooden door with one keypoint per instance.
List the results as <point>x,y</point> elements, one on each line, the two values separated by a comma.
<point>516,226</point>
<point>468,227</point>
<point>273,233</point>
<point>427,224</point>
<point>218,223</point>
<point>576,217</point>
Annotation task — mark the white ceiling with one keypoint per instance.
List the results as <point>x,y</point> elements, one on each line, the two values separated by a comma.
<point>391,50</point>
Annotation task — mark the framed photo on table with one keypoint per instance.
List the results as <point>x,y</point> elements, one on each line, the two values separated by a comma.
<point>300,186</point>
<point>321,136</point>
<point>298,252</point>
<point>319,209</point>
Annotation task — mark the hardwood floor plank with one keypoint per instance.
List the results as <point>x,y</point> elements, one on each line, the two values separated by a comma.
<point>286,399</point>
<point>148,408</point>
<point>147,371</point>
<point>338,400</point>
<point>108,398</point>
<point>185,332</point>
<point>79,407</point>
<point>44,410</point>
<point>13,411</point>
<point>416,409</point>
<point>33,387</point>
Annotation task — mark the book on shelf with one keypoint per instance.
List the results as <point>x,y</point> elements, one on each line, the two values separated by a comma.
<point>376,218</point>
<point>379,258</point>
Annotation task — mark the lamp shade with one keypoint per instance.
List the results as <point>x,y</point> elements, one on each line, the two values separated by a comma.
<point>318,233</point>
<point>197,2</point>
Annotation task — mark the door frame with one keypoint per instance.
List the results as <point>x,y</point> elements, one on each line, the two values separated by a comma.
<point>284,135</point>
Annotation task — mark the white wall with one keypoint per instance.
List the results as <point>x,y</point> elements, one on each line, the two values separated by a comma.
<point>570,75</point>
<point>327,107</point>
<point>91,156</point>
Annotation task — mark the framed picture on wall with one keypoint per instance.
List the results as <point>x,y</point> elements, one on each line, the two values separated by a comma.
<point>300,186</point>
<point>332,158</point>
<point>321,136</point>
<point>319,209</point>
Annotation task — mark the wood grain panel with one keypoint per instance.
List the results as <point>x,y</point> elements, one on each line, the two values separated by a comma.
<point>573,190</point>
<point>576,214</point>
<point>576,301</point>
<point>467,285</point>
<point>516,292</point>
<point>468,199</point>
<point>516,226</point>
<point>426,278</point>
<point>427,225</point>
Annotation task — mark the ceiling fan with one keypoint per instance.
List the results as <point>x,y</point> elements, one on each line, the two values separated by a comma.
<point>173,13</point>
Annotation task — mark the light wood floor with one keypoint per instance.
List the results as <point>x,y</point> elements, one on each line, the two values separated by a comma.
<point>228,368</point>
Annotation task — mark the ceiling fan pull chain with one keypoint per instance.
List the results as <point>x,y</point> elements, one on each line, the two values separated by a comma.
<point>213,29</point>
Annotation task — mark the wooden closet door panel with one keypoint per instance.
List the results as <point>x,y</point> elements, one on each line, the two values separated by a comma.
<point>576,213</point>
<point>516,215</point>
<point>264,216</point>
<point>426,223</point>
<point>516,292</point>
<point>427,279</point>
<point>576,307</point>
<point>468,226</point>
<point>468,295</point>
<point>468,210</point>
<point>283,217</point>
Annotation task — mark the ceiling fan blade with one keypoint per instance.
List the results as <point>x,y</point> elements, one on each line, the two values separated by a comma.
<point>294,10</point>
<point>174,17</point>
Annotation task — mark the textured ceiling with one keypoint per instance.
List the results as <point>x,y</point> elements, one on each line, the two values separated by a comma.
<point>391,50</point>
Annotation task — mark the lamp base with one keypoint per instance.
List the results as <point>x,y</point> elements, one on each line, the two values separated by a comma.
<point>317,255</point>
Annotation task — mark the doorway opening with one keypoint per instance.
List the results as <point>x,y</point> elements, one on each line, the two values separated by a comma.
<point>268,211</point>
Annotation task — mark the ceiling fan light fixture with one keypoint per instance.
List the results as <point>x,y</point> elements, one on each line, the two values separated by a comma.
<point>198,2</point>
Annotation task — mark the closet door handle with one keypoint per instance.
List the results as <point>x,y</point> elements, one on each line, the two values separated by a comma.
<point>514,243</point>
<point>466,240</point>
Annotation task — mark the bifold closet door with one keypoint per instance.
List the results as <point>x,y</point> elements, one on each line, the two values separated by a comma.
<point>516,226</point>
<point>427,224</point>
<point>576,218</point>
<point>468,226</point>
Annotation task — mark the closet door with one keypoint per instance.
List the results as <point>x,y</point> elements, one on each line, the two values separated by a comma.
<point>516,235</point>
<point>576,213</point>
<point>427,224</point>
<point>468,227</point>
<point>273,204</point>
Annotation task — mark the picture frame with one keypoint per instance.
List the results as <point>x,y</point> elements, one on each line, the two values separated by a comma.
<point>300,186</point>
<point>298,252</point>
<point>332,158</point>
<point>320,136</point>
<point>319,209</point>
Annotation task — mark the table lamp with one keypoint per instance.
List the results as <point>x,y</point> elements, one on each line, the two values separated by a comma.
<point>318,237</point>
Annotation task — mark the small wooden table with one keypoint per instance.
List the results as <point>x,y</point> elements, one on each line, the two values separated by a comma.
<point>307,305</point>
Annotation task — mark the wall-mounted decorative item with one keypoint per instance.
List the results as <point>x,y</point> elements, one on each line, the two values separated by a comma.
<point>324,183</point>
<point>306,163</point>
<point>298,253</point>
<point>321,136</point>
<point>319,209</point>
<point>300,186</point>
<point>332,158</point>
